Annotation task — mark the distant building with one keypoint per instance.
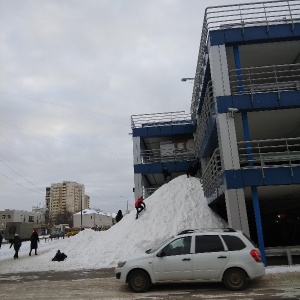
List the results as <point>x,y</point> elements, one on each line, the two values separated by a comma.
<point>92,219</point>
<point>66,198</point>
<point>9,215</point>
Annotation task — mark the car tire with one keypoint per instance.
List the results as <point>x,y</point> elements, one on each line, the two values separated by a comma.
<point>138,281</point>
<point>235,279</point>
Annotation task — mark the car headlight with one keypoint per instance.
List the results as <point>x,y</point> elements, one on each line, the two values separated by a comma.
<point>120,264</point>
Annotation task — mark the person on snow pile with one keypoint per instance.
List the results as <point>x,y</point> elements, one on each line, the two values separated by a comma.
<point>1,238</point>
<point>193,169</point>
<point>139,206</point>
<point>17,242</point>
<point>119,216</point>
<point>166,173</point>
<point>59,256</point>
<point>34,242</point>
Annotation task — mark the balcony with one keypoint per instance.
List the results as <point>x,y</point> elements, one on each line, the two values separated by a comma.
<point>159,155</point>
<point>276,78</point>
<point>160,119</point>
<point>256,155</point>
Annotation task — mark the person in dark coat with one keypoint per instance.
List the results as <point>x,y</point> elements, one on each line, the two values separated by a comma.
<point>17,242</point>
<point>193,169</point>
<point>59,256</point>
<point>1,239</point>
<point>34,242</point>
<point>166,173</point>
<point>119,216</point>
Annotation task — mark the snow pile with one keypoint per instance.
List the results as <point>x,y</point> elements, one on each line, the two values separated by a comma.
<point>178,205</point>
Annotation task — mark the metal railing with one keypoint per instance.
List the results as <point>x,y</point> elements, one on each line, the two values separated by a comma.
<point>239,15</point>
<point>211,178</point>
<point>207,111</point>
<point>269,153</point>
<point>159,155</point>
<point>263,79</point>
<point>160,119</point>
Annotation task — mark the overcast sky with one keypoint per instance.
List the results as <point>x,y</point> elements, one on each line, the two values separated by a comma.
<point>72,73</point>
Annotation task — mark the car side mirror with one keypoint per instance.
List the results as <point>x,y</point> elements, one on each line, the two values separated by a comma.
<point>161,254</point>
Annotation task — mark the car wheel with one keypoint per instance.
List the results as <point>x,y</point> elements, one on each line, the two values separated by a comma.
<point>235,279</point>
<point>138,281</point>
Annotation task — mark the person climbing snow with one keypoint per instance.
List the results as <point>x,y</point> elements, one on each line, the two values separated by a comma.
<point>166,174</point>
<point>119,216</point>
<point>139,206</point>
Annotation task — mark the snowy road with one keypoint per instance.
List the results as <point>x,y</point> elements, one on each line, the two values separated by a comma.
<point>101,284</point>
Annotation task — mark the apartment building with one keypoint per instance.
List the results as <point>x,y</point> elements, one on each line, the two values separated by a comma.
<point>66,198</point>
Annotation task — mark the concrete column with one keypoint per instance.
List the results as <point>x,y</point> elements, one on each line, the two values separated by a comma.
<point>138,187</point>
<point>136,150</point>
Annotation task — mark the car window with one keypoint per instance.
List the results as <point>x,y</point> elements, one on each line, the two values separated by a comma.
<point>233,243</point>
<point>155,247</point>
<point>178,247</point>
<point>208,243</point>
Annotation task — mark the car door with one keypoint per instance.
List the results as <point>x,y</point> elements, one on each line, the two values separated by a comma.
<point>176,261</point>
<point>210,257</point>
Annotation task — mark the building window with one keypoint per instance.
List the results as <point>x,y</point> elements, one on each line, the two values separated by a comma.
<point>8,216</point>
<point>3,217</point>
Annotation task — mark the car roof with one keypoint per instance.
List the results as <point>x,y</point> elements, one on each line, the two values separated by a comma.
<point>209,230</point>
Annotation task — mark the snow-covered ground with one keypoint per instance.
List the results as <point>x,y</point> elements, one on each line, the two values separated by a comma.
<point>178,205</point>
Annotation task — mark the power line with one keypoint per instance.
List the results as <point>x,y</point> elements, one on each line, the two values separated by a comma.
<point>38,192</point>
<point>65,142</point>
<point>66,106</point>
<point>21,175</point>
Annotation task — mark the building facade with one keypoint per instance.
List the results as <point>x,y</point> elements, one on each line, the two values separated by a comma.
<point>37,217</point>
<point>66,198</point>
<point>91,218</point>
<point>245,110</point>
<point>160,140</point>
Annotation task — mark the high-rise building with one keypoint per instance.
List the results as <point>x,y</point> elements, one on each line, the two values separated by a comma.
<point>66,198</point>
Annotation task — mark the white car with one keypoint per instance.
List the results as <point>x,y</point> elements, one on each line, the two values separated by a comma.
<point>211,255</point>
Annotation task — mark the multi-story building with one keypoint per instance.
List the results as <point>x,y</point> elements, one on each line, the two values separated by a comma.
<point>160,140</point>
<point>66,198</point>
<point>246,111</point>
<point>246,104</point>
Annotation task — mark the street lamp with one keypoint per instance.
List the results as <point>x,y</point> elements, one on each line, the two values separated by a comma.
<point>187,78</point>
<point>127,203</point>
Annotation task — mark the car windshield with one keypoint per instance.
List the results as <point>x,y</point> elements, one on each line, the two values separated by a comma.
<point>154,248</point>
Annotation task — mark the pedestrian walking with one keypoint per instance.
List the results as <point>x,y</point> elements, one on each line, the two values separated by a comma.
<point>34,240</point>
<point>119,216</point>
<point>1,239</point>
<point>17,242</point>
<point>139,206</point>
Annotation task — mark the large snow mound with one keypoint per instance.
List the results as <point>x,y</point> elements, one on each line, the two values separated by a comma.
<point>177,205</point>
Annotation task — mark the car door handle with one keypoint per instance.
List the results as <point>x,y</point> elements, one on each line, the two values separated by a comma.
<point>186,259</point>
<point>222,256</point>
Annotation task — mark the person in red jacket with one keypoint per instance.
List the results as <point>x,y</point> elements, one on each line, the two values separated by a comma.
<point>139,206</point>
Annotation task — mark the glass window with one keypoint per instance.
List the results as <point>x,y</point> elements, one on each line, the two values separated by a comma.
<point>3,217</point>
<point>233,242</point>
<point>179,246</point>
<point>208,243</point>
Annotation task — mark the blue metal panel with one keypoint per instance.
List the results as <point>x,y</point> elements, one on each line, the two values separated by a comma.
<point>233,35</point>
<point>234,179</point>
<point>256,33</point>
<point>139,132</point>
<point>156,168</point>
<point>223,102</point>
<point>263,100</point>
<point>153,131</point>
<point>217,37</point>
<point>271,176</point>
<point>166,130</point>
<point>282,30</point>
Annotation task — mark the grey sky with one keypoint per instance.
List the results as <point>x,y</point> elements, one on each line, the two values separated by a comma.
<point>71,75</point>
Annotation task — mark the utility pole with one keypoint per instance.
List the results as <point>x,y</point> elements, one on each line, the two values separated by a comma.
<point>80,209</point>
